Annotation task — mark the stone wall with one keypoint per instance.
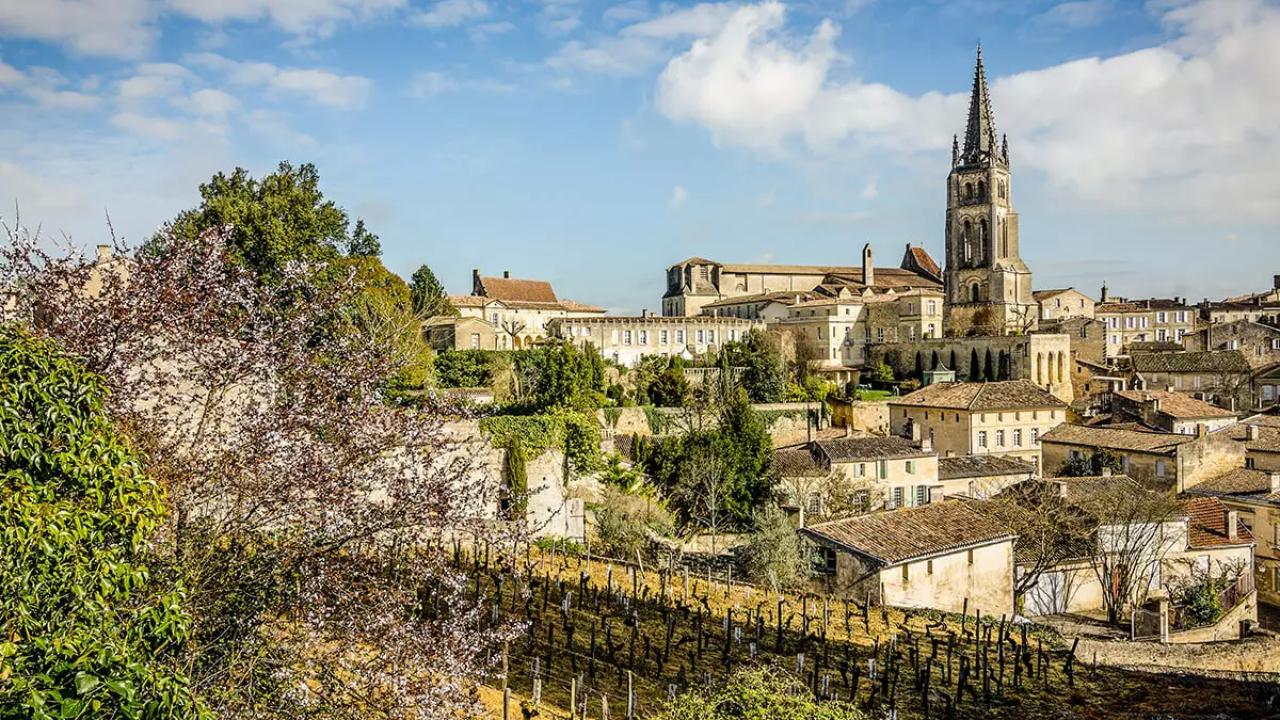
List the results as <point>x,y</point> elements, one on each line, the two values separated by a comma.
<point>1227,627</point>
<point>1254,657</point>
<point>872,417</point>
<point>1041,358</point>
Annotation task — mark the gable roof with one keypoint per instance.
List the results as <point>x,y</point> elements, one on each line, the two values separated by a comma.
<point>1175,404</point>
<point>1227,361</point>
<point>1117,438</point>
<point>966,466</point>
<point>786,297</point>
<point>1004,395</point>
<point>502,288</point>
<point>922,260</point>
<point>1047,294</point>
<point>1237,481</point>
<point>1207,524</point>
<point>896,536</point>
<point>868,448</point>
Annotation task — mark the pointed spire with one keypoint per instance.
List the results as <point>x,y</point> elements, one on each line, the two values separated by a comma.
<point>955,150</point>
<point>1004,148</point>
<point>980,133</point>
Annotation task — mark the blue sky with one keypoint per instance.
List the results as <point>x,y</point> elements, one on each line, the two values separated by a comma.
<point>594,143</point>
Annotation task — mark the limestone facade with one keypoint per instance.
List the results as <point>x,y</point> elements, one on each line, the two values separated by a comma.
<point>1063,304</point>
<point>1155,320</point>
<point>628,340</point>
<point>1042,358</point>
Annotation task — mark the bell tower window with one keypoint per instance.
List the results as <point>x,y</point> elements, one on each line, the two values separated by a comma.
<point>982,190</point>
<point>975,293</point>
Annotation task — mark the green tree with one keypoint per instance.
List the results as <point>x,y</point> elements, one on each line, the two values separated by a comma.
<point>363,243</point>
<point>276,219</point>
<point>429,299</point>
<point>624,522</point>
<point>670,389</point>
<point>756,694</point>
<point>91,631</point>
<point>559,374</point>
<point>517,477</point>
<point>382,310</point>
<point>882,373</point>
<point>464,368</point>
<point>763,372</point>
<point>775,555</point>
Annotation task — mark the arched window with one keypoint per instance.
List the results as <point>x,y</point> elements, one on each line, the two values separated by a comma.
<point>982,190</point>
<point>983,239</point>
<point>975,293</point>
<point>1004,239</point>
<point>966,247</point>
<point>968,191</point>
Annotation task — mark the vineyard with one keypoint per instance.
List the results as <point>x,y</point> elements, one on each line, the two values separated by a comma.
<point>611,639</point>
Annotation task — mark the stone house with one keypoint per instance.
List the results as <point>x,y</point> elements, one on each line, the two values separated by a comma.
<point>997,418</point>
<point>1255,496</point>
<point>1156,460</point>
<point>981,476</point>
<point>1063,304</point>
<point>462,333</point>
<point>840,476</point>
<point>1168,411</point>
<point>1259,343</point>
<point>1259,307</point>
<point>1266,387</point>
<point>628,340</point>
<point>769,307</point>
<point>945,555</point>
<point>518,312</point>
<point>1259,436</point>
<point>1151,320</point>
<point>1223,377</point>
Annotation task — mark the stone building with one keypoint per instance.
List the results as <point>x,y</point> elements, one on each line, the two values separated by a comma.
<point>1266,387</point>
<point>1063,304</point>
<point>1260,343</point>
<point>944,555</point>
<point>1168,411</point>
<point>517,312</point>
<point>997,418</point>
<point>628,340</point>
<point>1158,460</point>
<point>988,285</point>
<point>981,476</point>
<point>1163,320</point>
<point>1255,495</point>
<point>1044,359</point>
<point>1222,377</point>
<point>852,475</point>
<point>696,283</point>
<point>1258,307</point>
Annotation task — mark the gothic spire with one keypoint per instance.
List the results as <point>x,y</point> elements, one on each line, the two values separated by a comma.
<point>980,134</point>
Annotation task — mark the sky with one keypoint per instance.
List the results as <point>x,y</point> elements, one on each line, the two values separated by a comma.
<point>593,144</point>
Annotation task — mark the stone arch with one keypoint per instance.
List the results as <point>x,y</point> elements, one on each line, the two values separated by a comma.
<point>1004,365</point>
<point>1062,367</point>
<point>1004,238</point>
<point>975,367</point>
<point>982,190</point>
<point>966,241</point>
<point>968,191</point>
<point>975,292</point>
<point>984,236</point>
<point>1039,370</point>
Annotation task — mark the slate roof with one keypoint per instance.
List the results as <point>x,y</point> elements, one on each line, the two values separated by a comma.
<point>1175,404</point>
<point>1116,438</point>
<point>1005,395</point>
<point>966,466</point>
<point>896,536</point>
<point>1207,524</point>
<point>1220,361</point>
<point>868,448</point>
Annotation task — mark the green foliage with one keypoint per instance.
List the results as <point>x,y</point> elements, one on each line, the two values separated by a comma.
<point>576,434</point>
<point>89,630</point>
<point>562,546</point>
<point>612,415</point>
<point>383,310</point>
<point>1102,459</point>
<point>771,417</point>
<point>627,479</point>
<point>465,368</point>
<point>670,389</point>
<point>517,476</point>
<point>764,376</point>
<point>428,294</point>
<point>559,375</point>
<point>756,694</point>
<point>775,555</point>
<point>659,424</point>
<point>277,219</point>
<point>363,243</point>
<point>882,373</point>
<point>624,522</point>
<point>1200,603</point>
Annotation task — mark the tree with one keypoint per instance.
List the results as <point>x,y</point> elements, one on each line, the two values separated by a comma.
<point>670,389</point>
<point>704,491</point>
<point>775,554</point>
<point>280,218</point>
<point>757,694</point>
<point>1049,530</point>
<point>882,373</point>
<point>1130,540</point>
<point>429,299</point>
<point>625,522</point>
<point>363,243</point>
<point>1101,460</point>
<point>763,375</point>
<point>464,368</point>
<point>91,629</point>
<point>559,374</point>
<point>304,508</point>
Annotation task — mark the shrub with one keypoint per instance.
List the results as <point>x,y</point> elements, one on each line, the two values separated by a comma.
<point>624,523</point>
<point>774,554</point>
<point>758,694</point>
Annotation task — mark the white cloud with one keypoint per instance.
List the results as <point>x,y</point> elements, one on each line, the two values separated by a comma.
<point>317,18</point>
<point>1075,14</point>
<point>625,12</point>
<point>486,30</point>
<point>113,28</point>
<point>451,13</point>
<point>275,127</point>
<point>211,103</point>
<point>641,46</point>
<point>10,76</point>
<point>319,86</point>
<point>1130,131</point>
<point>429,83</point>
<point>152,80</point>
<point>678,197</point>
<point>45,87</point>
<point>149,126</point>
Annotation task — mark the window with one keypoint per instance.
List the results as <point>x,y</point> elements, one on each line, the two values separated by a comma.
<point>895,500</point>
<point>928,567</point>
<point>879,334</point>
<point>999,438</point>
<point>1275,344</point>
<point>1035,436</point>
<point>700,336</point>
<point>475,341</point>
<point>1017,438</point>
<point>711,336</point>
<point>493,318</point>
<point>922,495</point>
<point>906,574</point>
<point>860,470</point>
<point>982,438</point>
<point>814,504</point>
<point>644,337</point>
<point>626,337</point>
<point>911,467</point>
<point>933,309</point>
<point>1161,317</point>
<point>662,337</point>
<point>883,469</point>
<point>679,337</point>
<point>1267,390</point>
<point>826,561</point>
<point>970,556</point>
<point>1159,468</point>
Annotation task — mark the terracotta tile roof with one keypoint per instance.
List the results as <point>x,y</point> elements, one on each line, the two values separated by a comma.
<point>1207,524</point>
<point>1046,294</point>
<point>868,448</point>
<point>885,278</point>
<point>1116,438</point>
<point>1123,306</point>
<point>1088,486</point>
<point>695,260</point>
<point>897,536</point>
<point>776,269</point>
<point>1005,395</point>
<point>965,466</point>
<point>538,291</point>
<point>1228,361</point>
<point>786,297</point>
<point>1238,481</point>
<point>924,260</point>
<point>1268,439</point>
<point>575,306</point>
<point>1175,404</point>
<point>796,462</point>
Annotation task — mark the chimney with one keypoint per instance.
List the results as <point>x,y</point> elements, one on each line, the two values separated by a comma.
<point>477,287</point>
<point>1233,519</point>
<point>506,274</point>
<point>868,269</point>
<point>1254,433</point>
<point>848,430</point>
<point>105,251</point>
<point>1104,297</point>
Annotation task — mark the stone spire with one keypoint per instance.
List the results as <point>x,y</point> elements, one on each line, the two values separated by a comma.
<point>980,134</point>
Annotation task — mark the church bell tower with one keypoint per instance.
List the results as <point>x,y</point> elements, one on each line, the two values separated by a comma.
<point>988,286</point>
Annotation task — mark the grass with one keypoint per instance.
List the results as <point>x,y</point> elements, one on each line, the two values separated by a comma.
<point>872,395</point>
<point>1097,693</point>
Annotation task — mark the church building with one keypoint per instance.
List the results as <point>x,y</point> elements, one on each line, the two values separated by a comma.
<point>988,286</point>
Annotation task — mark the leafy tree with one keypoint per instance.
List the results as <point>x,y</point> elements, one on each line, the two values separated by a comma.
<point>670,389</point>
<point>882,373</point>
<point>1092,466</point>
<point>363,243</point>
<point>764,375</point>
<point>517,477</point>
<point>464,368</point>
<point>775,554</point>
<point>382,312</point>
<point>91,630</point>
<point>757,694</point>
<point>429,299</point>
<point>559,374</point>
<point>624,522</point>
